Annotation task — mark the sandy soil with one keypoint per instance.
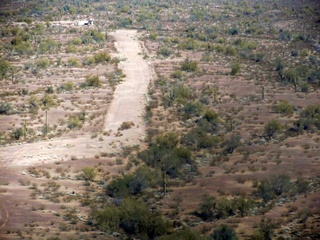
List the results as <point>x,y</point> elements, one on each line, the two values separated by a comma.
<point>127,106</point>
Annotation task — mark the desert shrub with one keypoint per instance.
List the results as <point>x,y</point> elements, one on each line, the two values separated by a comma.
<point>231,51</point>
<point>67,87</point>
<point>4,68</point>
<point>133,184</point>
<point>49,90</point>
<point>271,128</point>
<point>285,36</point>
<point>17,133</point>
<point>92,81</point>
<point>89,173</point>
<point>188,44</point>
<point>165,154</point>
<point>153,36</point>
<point>283,107</point>
<point>125,125</point>
<point>76,41</point>
<point>5,108</point>
<point>207,208</point>
<point>232,143</point>
<point>73,62</point>
<point>276,186</point>
<point>257,57</point>
<point>34,103</point>
<point>89,60</point>
<point>74,122</point>
<point>24,48</point>
<point>77,120</point>
<point>294,53</point>
<point>265,230</point>
<point>185,234</point>
<point>309,118</point>
<point>224,232</point>
<point>177,74</point>
<point>233,31</point>
<point>102,56</point>
<point>134,218</point>
<point>71,49</point>
<point>189,66</point>
<point>93,35</point>
<point>235,68</point>
<point>279,64</point>
<point>25,19</point>
<point>304,87</point>
<point>199,138</point>
<point>192,109</point>
<point>42,63</point>
<point>165,51</point>
<point>39,28</point>
<point>48,46</point>
<point>314,77</point>
<point>48,101</point>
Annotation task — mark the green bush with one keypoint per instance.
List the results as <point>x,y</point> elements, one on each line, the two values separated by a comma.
<point>231,51</point>
<point>309,118</point>
<point>73,62</point>
<point>235,68</point>
<point>224,232</point>
<point>276,186</point>
<point>134,218</point>
<point>133,184</point>
<point>177,74</point>
<point>34,104</point>
<point>48,46</point>
<point>207,208</point>
<point>92,81</point>
<point>271,128</point>
<point>17,133</point>
<point>5,108</point>
<point>48,101</point>
<point>4,68</point>
<point>71,49</point>
<point>232,143</point>
<point>189,66</point>
<point>165,51</point>
<point>42,63</point>
<point>24,48</point>
<point>184,234</point>
<point>68,87</point>
<point>102,56</point>
<point>283,107</point>
<point>89,173</point>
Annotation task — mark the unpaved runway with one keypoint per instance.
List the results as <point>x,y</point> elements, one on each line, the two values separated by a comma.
<point>127,105</point>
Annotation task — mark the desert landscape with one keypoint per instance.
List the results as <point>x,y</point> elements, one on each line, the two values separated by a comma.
<point>160,119</point>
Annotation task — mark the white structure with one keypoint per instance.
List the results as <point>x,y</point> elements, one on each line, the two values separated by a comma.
<point>84,23</point>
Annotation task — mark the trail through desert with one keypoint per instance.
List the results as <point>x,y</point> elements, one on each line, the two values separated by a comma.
<point>128,105</point>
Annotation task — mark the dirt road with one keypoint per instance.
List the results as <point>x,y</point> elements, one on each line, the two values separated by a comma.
<point>127,106</point>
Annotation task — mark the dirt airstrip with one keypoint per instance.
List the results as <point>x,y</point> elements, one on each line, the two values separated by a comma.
<point>127,105</point>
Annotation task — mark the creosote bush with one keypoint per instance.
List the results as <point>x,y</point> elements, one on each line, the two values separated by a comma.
<point>133,217</point>
<point>189,66</point>
<point>235,68</point>
<point>92,81</point>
